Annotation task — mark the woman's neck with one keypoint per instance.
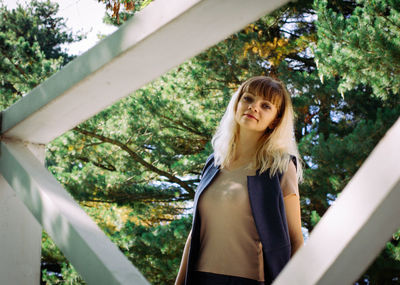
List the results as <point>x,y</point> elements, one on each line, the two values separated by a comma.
<point>246,146</point>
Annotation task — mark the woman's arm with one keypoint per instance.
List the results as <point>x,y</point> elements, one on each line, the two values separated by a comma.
<point>180,279</point>
<point>291,197</point>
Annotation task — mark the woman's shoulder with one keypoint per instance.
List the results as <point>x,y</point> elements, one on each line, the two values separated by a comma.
<point>291,161</point>
<point>288,181</point>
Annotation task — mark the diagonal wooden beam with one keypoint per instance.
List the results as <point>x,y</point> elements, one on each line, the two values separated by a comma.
<point>20,240</point>
<point>93,255</point>
<point>163,35</point>
<point>20,234</point>
<point>355,229</point>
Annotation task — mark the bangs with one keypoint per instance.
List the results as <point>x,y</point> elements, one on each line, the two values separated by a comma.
<point>269,89</point>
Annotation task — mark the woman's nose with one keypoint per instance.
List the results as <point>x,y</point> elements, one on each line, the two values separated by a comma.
<point>252,106</point>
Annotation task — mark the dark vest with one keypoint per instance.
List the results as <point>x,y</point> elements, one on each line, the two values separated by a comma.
<point>267,206</point>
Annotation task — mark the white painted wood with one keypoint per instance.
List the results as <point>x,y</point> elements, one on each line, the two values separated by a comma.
<point>93,255</point>
<point>163,35</point>
<point>20,240</point>
<point>20,235</point>
<point>355,229</point>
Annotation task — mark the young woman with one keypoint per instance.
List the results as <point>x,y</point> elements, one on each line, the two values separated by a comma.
<point>246,213</point>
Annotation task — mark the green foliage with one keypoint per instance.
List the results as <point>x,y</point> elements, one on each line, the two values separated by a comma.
<point>55,267</point>
<point>314,218</point>
<point>30,40</point>
<point>394,250</point>
<point>157,251</point>
<point>362,47</point>
<point>67,275</point>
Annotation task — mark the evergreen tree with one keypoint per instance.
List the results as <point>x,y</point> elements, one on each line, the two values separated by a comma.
<point>30,40</point>
<point>361,47</point>
<point>358,46</point>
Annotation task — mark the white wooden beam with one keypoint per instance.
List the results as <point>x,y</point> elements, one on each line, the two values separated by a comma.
<point>161,36</point>
<point>20,235</point>
<point>93,255</point>
<point>355,229</point>
<point>20,240</point>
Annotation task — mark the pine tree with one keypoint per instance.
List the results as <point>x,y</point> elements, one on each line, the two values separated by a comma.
<point>361,47</point>
<point>30,40</point>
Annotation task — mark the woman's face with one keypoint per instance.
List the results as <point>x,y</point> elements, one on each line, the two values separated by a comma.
<point>255,113</point>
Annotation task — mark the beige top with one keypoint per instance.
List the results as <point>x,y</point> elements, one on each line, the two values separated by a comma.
<point>230,243</point>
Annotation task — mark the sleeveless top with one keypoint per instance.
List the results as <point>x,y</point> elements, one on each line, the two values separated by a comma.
<point>268,207</point>
<point>229,241</point>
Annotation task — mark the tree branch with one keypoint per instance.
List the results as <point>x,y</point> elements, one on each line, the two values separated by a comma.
<point>126,198</point>
<point>194,131</point>
<point>108,167</point>
<point>137,158</point>
<point>15,65</point>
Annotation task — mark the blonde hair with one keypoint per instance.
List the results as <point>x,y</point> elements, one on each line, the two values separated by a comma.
<point>276,145</point>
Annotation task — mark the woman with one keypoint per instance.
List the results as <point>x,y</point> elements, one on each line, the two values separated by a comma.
<point>246,213</point>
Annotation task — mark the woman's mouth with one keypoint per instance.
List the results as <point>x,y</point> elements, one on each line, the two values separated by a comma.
<point>250,116</point>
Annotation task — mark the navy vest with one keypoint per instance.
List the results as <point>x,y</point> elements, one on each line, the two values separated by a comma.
<point>267,206</point>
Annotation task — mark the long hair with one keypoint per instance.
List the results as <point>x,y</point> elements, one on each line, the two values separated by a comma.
<point>276,145</point>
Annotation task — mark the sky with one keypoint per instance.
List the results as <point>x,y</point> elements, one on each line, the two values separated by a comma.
<point>81,15</point>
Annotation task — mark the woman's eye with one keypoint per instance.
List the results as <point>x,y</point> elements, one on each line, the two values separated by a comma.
<point>247,98</point>
<point>266,106</point>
